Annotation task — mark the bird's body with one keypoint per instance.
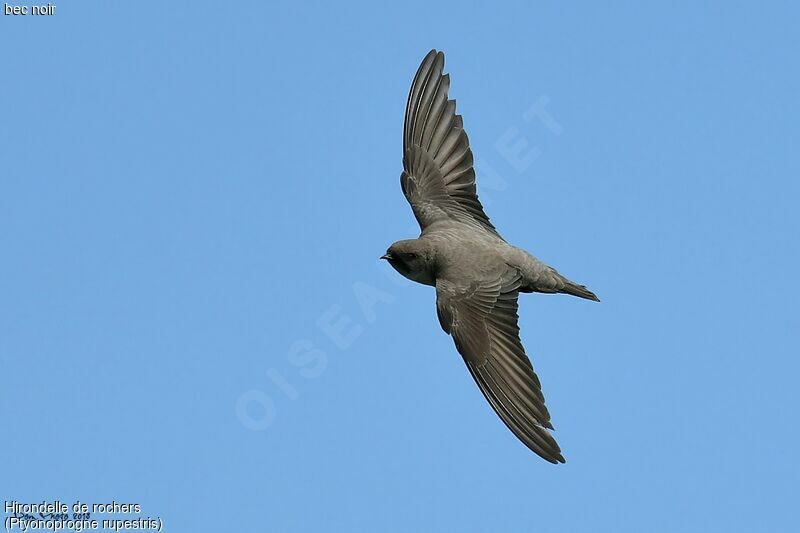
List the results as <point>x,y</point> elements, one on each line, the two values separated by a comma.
<point>477,274</point>
<point>462,253</point>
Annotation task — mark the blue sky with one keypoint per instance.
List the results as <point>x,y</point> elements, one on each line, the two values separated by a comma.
<point>194,197</point>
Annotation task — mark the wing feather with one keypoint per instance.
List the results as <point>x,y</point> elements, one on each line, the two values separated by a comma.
<point>483,321</point>
<point>438,179</point>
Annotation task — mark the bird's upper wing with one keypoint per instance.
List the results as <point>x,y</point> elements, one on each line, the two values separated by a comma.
<point>438,178</point>
<point>482,318</point>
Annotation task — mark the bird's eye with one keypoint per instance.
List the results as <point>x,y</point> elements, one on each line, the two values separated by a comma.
<point>412,255</point>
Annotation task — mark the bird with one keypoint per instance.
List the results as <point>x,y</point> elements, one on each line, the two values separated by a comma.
<point>477,274</point>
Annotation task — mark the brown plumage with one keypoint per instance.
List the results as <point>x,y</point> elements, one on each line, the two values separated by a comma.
<point>478,276</point>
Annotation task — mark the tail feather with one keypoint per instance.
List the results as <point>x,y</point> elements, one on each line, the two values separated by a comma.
<point>578,290</point>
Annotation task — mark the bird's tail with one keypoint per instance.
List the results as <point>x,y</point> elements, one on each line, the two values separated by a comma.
<point>578,290</point>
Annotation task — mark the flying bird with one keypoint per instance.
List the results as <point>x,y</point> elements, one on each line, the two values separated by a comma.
<point>478,276</point>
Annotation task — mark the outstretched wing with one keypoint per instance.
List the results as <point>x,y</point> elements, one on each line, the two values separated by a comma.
<point>438,180</point>
<point>482,318</point>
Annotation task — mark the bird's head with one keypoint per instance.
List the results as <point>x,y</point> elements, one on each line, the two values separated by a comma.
<point>411,258</point>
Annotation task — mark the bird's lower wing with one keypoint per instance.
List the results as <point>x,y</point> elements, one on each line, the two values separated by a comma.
<point>482,319</point>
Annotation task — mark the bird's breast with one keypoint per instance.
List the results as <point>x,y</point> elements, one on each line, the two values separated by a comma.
<point>424,277</point>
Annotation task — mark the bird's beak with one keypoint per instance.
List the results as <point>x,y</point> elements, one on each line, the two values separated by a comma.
<point>386,256</point>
